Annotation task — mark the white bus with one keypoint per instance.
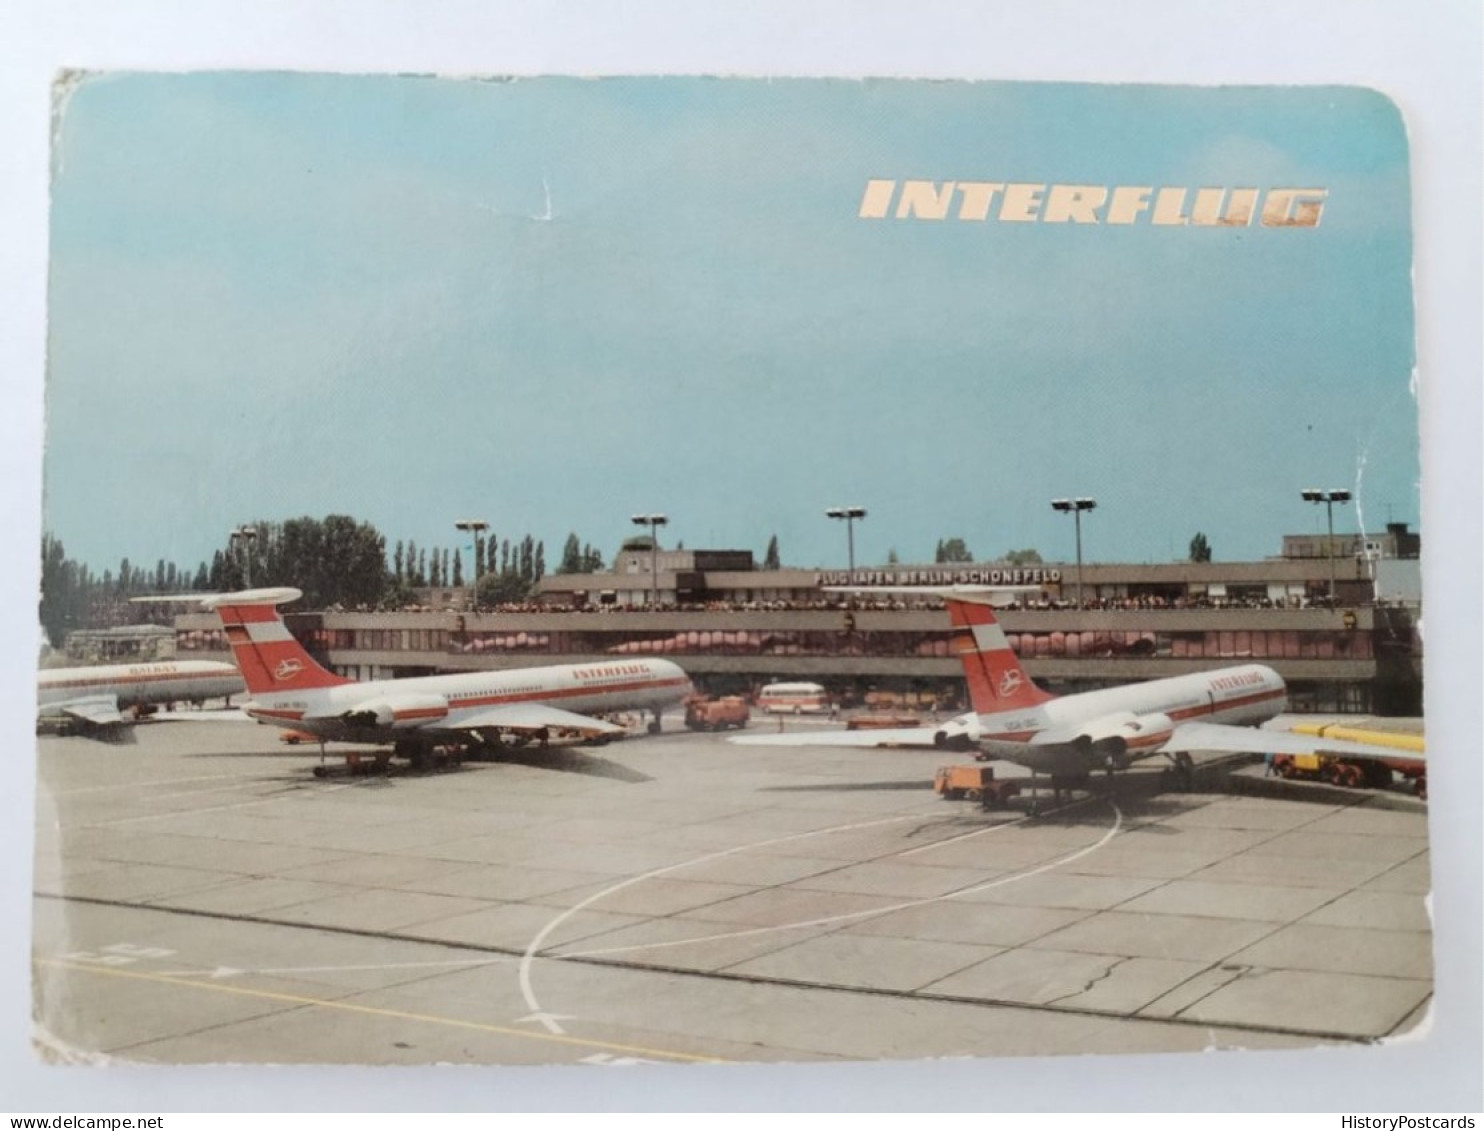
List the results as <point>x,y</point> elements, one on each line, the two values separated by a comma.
<point>793,699</point>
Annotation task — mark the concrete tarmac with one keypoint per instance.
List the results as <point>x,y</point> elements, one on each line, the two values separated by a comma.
<point>201,897</point>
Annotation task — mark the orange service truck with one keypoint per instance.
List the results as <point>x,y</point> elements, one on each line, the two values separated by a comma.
<point>703,713</point>
<point>974,783</point>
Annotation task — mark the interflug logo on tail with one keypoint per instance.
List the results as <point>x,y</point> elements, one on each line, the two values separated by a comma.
<point>287,669</point>
<point>1009,683</point>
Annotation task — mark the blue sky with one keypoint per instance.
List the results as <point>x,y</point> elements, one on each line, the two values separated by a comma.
<point>276,294</point>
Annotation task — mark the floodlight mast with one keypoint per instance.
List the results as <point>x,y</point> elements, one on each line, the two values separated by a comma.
<point>1329,499</point>
<point>1075,507</point>
<point>849,514</point>
<point>245,535</point>
<point>475,526</point>
<point>654,522</point>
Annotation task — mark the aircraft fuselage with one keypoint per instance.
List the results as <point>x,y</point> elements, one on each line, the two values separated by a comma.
<point>136,685</point>
<point>1244,695</point>
<point>450,702</point>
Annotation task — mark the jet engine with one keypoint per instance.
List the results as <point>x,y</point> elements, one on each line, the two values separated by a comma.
<point>958,733</point>
<point>398,712</point>
<point>1117,739</point>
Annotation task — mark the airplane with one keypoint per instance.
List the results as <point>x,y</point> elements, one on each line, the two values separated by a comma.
<point>1068,737</point>
<point>94,699</point>
<point>1390,739</point>
<point>289,689</point>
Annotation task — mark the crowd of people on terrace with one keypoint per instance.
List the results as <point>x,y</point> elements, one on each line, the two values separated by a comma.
<point>900,604</point>
<point>893,603</point>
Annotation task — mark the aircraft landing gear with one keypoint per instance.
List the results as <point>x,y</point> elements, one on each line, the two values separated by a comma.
<point>422,756</point>
<point>654,726</point>
<point>1063,787</point>
<point>355,763</point>
<point>1183,771</point>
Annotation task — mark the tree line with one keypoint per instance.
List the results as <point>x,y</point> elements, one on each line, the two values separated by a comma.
<point>337,561</point>
<point>953,550</point>
<point>340,562</point>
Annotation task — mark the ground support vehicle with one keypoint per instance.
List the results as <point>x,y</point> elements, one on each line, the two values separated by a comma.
<point>1372,773</point>
<point>702,713</point>
<point>973,783</point>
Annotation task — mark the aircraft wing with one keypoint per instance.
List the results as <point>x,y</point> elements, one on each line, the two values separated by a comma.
<point>98,710</point>
<point>886,736</point>
<point>534,717</point>
<point>1050,758</point>
<point>1251,740</point>
<point>1062,754</point>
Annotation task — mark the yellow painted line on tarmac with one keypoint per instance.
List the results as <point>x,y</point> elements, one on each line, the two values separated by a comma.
<point>297,999</point>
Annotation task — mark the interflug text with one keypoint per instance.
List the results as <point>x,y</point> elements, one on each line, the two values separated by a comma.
<point>1009,202</point>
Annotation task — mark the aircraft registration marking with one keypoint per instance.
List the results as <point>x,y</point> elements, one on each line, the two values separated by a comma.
<point>1025,723</point>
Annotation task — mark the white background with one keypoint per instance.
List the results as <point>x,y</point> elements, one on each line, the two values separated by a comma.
<point>1426,56</point>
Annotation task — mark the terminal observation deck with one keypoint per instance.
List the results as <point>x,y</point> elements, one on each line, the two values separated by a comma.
<point>1364,658</point>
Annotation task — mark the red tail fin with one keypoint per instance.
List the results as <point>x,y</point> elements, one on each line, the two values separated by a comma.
<point>996,680</point>
<point>268,657</point>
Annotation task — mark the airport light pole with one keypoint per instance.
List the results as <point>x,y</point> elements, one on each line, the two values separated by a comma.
<point>245,535</point>
<point>1075,507</point>
<point>849,514</point>
<point>476,526</point>
<point>1329,499</point>
<point>654,522</point>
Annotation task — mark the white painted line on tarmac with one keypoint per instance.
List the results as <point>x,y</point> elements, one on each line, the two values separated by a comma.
<point>238,788</point>
<point>846,917</point>
<point>215,974</point>
<point>373,1011</point>
<point>964,836</point>
<point>233,971</point>
<point>550,1021</point>
<point>526,960</point>
<point>535,944</point>
<point>280,796</point>
<point>141,784</point>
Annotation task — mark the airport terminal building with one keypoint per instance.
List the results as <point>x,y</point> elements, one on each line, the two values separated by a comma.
<point>734,627</point>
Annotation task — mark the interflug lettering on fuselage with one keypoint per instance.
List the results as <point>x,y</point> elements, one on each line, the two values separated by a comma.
<point>1236,682</point>
<point>1009,202</point>
<point>611,671</point>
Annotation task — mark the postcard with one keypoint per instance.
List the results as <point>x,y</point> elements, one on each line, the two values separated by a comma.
<point>693,571</point>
